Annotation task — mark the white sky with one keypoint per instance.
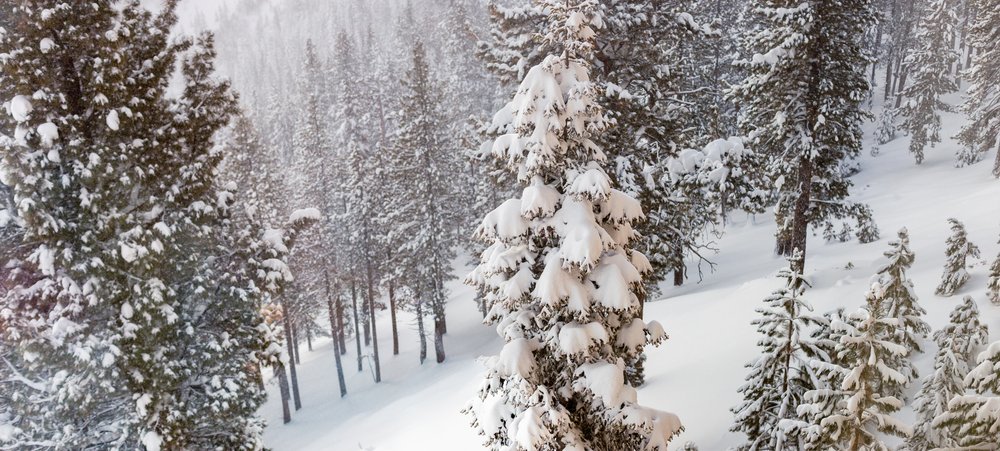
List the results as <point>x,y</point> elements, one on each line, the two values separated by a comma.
<point>189,10</point>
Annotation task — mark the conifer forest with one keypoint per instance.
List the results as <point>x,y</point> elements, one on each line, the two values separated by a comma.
<point>509,225</point>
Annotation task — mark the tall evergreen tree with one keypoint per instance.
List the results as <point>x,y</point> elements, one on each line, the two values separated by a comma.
<point>973,419</point>
<point>958,250</point>
<point>870,371</point>
<point>931,60</point>
<point>423,167</point>
<point>801,107</point>
<point>980,134</point>
<point>650,87</point>
<point>781,375</point>
<point>957,344</point>
<point>902,300</point>
<point>563,284</point>
<point>133,305</point>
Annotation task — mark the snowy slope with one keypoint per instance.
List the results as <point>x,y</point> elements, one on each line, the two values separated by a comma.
<point>697,372</point>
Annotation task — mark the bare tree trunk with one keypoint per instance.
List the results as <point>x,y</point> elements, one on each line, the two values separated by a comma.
<point>420,331</point>
<point>339,308</point>
<point>291,356</point>
<point>371,319</point>
<point>357,330</point>
<point>800,220</point>
<point>295,347</point>
<point>439,338</point>
<point>309,339</point>
<point>279,371</point>
<point>334,332</point>
<point>392,311</point>
<point>367,327</point>
<point>900,86</point>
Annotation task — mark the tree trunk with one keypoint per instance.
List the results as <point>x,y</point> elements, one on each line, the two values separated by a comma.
<point>371,319</point>
<point>334,332</point>
<point>366,326</point>
<point>392,311</point>
<point>291,361</point>
<point>357,330</point>
<point>309,339</point>
<point>901,85</point>
<point>279,371</point>
<point>800,220</point>
<point>887,89</point>
<point>420,331</point>
<point>339,308</point>
<point>439,338</point>
<point>295,347</point>
<point>679,275</point>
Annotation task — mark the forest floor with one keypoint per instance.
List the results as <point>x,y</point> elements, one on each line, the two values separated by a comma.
<point>697,372</point>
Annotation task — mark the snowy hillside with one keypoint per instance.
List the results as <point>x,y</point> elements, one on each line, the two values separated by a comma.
<point>697,372</point>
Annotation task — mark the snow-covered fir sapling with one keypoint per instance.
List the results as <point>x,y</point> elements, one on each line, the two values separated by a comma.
<point>560,276</point>
<point>902,300</point>
<point>781,375</point>
<point>861,409</point>
<point>973,417</point>
<point>957,343</point>
<point>979,135</point>
<point>958,250</point>
<point>885,128</point>
<point>931,58</point>
<point>993,282</point>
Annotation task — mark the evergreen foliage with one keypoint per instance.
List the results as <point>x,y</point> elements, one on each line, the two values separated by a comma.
<point>958,250</point>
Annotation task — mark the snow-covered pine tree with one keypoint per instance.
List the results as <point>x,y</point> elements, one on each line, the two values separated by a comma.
<point>781,375</point>
<point>973,419</point>
<point>869,371</point>
<point>135,320</point>
<point>801,108</point>
<point>993,282</point>
<point>965,332</point>
<point>930,59</point>
<point>885,129</point>
<point>944,382</point>
<point>957,344</point>
<point>563,284</point>
<point>980,134</point>
<point>901,298</point>
<point>958,250</point>
<point>647,52</point>
<point>423,168</point>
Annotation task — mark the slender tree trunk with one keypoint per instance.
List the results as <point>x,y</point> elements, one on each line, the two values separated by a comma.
<point>392,311</point>
<point>901,85</point>
<point>279,371</point>
<point>371,319</point>
<point>295,347</point>
<point>357,330</point>
<point>309,339</point>
<point>367,326</point>
<point>291,358</point>
<point>334,332</point>
<point>887,89</point>
<point>339,308</point>
<point>420,331</point>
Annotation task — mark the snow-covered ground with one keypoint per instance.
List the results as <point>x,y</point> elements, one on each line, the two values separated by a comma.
<point>697,372</point>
